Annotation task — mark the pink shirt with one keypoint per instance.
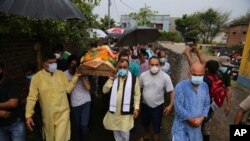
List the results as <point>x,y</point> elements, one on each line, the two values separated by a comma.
<point>144,66</point>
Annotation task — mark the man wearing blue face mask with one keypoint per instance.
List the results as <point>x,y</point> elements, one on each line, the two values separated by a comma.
<point>214,70</point>
<point>133,67</point>
<point>50,86</point>
<point>191,103</point>
<point>124,102</point>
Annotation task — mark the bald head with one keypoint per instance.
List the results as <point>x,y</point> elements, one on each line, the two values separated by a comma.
<point>197,69</point>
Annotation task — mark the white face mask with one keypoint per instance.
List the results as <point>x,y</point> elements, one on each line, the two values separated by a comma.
<point>162,60</point>
<point>154,70</point>
<point>57,55</point>
<point>52,67</point>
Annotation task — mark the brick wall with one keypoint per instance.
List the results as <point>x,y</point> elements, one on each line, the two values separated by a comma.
<point>16,54</point>
<point>236,35</point>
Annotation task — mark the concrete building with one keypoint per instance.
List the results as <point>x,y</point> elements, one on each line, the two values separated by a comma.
<point>161,22</point>
<point>236,34</point>
<point>172,24</point>
<point>244,72</point>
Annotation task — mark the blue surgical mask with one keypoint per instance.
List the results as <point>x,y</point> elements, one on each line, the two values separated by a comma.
<point>122,72</point>
<point>197,80</point>
<point>223,69</point>
<point>52,67</point>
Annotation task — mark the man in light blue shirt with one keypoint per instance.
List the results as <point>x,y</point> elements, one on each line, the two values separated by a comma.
<point>191,103</point>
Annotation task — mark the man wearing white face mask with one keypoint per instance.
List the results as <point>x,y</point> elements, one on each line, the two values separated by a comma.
<point>165,66</point>
<point>61,62</point>
<point>191,104</point>
<point>50,86</point>
<point>154,83</point>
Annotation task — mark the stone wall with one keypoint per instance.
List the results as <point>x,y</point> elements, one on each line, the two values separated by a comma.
<point>16,54</point>
<point>177,60</point>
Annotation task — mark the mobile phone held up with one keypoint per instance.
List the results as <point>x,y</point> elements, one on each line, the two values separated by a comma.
<point>191,45</point>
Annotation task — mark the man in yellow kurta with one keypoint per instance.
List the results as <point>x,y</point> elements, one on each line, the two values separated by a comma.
<point>50,86</point>
<point>124,102</point>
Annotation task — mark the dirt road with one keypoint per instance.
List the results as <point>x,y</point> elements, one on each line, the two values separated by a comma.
<point>220,124</point>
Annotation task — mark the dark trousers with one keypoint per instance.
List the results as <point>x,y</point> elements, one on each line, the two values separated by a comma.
<point>13,132</point>
<point>80,120</point>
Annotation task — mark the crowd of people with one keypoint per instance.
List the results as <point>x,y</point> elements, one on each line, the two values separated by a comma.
<point>138,89</point>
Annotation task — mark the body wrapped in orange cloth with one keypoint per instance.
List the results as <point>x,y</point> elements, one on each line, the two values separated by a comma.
<point>99,61</point>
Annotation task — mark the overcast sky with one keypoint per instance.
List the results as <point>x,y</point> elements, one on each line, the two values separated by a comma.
<point>175,8</point>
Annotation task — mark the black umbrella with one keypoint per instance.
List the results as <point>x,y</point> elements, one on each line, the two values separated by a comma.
<point>139,35</point>
<point>41,9</point>
<point>114,35</point>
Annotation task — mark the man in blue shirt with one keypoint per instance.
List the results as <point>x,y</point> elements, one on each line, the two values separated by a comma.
<point>191,103</point>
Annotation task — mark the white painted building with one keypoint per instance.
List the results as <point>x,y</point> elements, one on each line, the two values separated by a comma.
<point>161,22</point>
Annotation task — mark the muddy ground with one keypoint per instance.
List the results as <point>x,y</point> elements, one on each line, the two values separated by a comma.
<point>220,123</point>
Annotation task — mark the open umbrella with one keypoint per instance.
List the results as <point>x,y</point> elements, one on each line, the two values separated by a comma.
<point>97,33</point>
<point>41,9</point>
<point>115,30</point>
<point>139,35</point>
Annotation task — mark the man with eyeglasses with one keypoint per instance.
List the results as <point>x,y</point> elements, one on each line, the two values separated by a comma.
<point>154,83</point>
<point>192,103</point>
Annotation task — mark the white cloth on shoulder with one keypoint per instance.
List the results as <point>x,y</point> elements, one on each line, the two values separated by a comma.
<point>127,94</point>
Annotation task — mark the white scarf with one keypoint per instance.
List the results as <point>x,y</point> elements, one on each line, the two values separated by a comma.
<point>127,94</point>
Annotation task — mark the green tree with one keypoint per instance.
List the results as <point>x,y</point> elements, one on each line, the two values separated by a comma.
<point>204,25</point>
<point>143,16</point>
<point>170,36</point>
<point>77,30</point>
<point>52,31</point>
<point>211,23</point>
<point>188,26</point>
<point>104,23</point>
<point>242,19</point>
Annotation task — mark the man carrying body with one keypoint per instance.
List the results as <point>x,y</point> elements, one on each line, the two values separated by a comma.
<point>124,101</point>
<point>80,101</point>
<point>133,67</point>
<point>50,87</point>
